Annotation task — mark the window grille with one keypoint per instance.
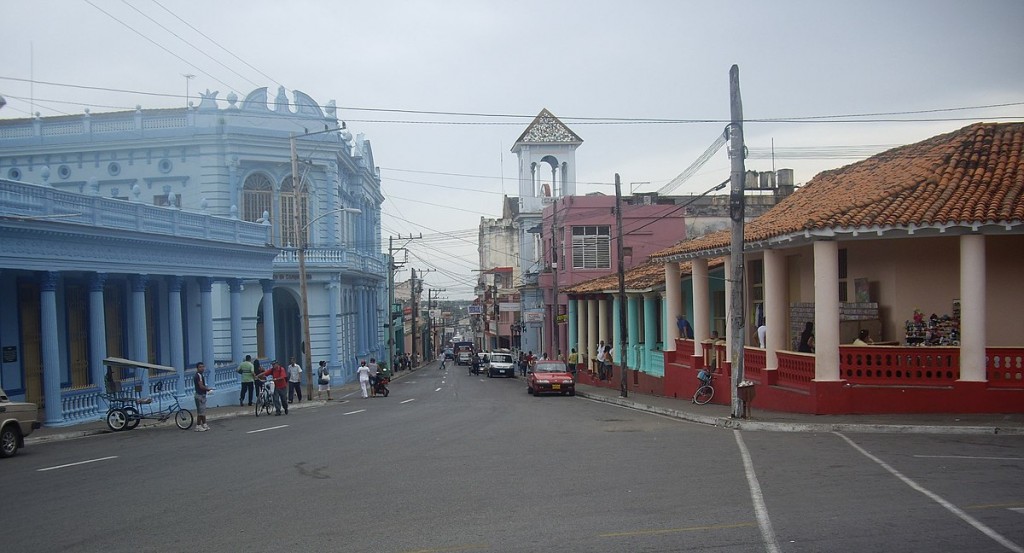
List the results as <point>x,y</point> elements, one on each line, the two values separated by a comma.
<point>591,247</point>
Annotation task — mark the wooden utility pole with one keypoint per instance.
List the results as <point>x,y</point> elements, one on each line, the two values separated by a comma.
<point>737,319</point>
<point>623,354</point>
<point>414,293</point>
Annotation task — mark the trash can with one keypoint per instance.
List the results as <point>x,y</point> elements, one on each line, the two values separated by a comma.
<point>746,391</point>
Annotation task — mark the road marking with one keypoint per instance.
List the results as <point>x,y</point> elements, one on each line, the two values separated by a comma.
<point>676,530</point>
<point>265,429</point>
<point>438,390</point>
<point>771,543</point>
<point>936,498</point>
<point>406,401</point>
<point>354,412</point>
<point>1010,506</point>
<point>76,464</point>
<point>969,457</point>
<point>1018,509</point>
<point>467,547</point>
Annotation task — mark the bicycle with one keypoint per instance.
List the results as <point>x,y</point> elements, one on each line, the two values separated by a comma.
<point>265,397</point>
<point>705,391</point>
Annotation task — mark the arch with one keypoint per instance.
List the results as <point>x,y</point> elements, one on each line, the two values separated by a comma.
<point>257,196</point>
<point>287,324</point>
<point>557,182</point>
<point>288,198</point>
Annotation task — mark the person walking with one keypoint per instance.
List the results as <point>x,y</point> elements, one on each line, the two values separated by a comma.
<point>574,359</point>
<point>248,372</point>
<point>323,382</point>
<point>294,380</point>
<point>364,378</point>
<point>372,366</point>
<point>280,376</point>
<point>201,389</point>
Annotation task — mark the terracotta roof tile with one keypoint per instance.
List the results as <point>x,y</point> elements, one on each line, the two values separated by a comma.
<point>644,277</point>
<point>973,175</point>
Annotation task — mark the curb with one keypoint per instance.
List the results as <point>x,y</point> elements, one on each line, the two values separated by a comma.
<point>765,426</point>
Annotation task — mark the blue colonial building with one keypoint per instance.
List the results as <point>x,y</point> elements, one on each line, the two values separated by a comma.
<point>171,236</point>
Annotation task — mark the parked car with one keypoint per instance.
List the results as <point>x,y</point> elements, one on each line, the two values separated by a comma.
<point>500,364</point>
<point>550,377</point>
<point>17,420</point>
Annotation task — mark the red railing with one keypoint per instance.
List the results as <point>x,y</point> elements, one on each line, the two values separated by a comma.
<point>899,365</point>
<point>796,370</point>
<point>754,360</point>
<point>1004,367</point>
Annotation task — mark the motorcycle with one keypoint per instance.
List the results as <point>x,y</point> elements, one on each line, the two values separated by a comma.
<point>380,388</point>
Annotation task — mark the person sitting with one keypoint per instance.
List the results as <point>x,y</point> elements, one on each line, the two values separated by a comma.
<point>864,338</point>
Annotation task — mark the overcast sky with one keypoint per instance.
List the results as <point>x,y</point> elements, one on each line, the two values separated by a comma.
<point>641,59</point>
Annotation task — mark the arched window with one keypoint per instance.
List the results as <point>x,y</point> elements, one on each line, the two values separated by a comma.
<point>289,223</point>
<point>257,197</point>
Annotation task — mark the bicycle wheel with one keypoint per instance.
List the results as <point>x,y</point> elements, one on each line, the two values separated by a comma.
<point>133,417</point>
<point>259,403</point>
<point>117,419</point>
<point>703,394</point>
<point>183,419</point>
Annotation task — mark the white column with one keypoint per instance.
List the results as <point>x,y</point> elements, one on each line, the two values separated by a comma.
<point>581,328</point>
<point>673,304</point>
<point>826,310</point>
<point>602,322</point>
<point>701,303</point>
<point>972,308</point>
<point>774,305</point>
<point>592,337</point>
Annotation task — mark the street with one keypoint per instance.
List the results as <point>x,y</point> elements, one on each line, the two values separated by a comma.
<point>455,462</point>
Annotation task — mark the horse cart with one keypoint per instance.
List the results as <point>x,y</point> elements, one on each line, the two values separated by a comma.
<point>128,407</point>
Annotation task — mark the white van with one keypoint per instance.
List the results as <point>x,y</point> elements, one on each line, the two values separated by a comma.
<point>500,364</point>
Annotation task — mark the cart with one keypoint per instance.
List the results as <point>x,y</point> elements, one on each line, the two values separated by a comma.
<point>127,408</point>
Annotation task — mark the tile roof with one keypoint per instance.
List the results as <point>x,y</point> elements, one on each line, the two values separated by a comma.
<point>648,276</point>
<point>971,176</point>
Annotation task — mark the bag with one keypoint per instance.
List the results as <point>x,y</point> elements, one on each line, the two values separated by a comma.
<point>325,378</point>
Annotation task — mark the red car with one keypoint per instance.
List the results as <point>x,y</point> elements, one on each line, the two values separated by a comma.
<point>550,377</point>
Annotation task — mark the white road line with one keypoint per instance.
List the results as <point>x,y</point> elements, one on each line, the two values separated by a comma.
<point>265,429</point>
<point>76,464</point>
<point>406,401</point>
<point>969,457</point>
<point>771,543</point>
<point>936,498</point>
<point>354,412</point>
<point>438,390</point>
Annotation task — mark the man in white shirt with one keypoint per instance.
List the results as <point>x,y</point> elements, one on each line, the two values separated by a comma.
<point>762,332</point>
<point>294,381</point>
<point>600,360</point>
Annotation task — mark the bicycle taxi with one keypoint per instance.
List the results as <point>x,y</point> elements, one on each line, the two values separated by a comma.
<point>128,407</point>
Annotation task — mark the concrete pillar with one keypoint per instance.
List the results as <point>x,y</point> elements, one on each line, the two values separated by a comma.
<point>701,304</point>
<point>206,323</point>
<point>571,328</point>
<point>334,299</point>
<point>633,329</point>
<point>176,330</point>
<point>826,310</point>
<point>775,306</point>
<point>582,338</point>
<point>673,304</point>
<point>139,338</point>
<point>269,332</point>
<point>52,372</point>
<point>972,308</point>
<point>97,329</point>
<point>603,332</point>
<point>617,336</point>
<point>592,336</point>
<point>650,321</point>
<point>235,287</point>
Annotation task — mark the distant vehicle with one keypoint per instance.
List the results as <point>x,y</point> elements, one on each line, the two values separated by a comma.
<point>463,352</point>
<point>500,364</point>
<point>550,377</point>
<point>17,420</point>
<point>449,353</point>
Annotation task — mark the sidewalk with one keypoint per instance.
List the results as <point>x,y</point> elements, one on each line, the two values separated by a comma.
<point>720,415</point>
<point>99,426</point>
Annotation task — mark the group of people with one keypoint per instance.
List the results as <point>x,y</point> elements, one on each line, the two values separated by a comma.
<point>370,375</point>
<point>287,382</point>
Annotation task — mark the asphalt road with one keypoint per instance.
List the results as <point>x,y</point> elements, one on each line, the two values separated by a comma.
<point>457,463</point>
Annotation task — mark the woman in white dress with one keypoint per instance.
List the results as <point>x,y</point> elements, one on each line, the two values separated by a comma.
<point>364,379</point>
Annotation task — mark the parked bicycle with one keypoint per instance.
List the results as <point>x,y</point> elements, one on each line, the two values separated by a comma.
<point>705,391</point>
<point>126,409</point>
<point>264,396</point>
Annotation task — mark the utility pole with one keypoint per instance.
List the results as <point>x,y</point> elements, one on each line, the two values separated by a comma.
<point>623,354</point>
<point>737,322</point>
<point>414,293</point>
<point>392,267</point>
<point>555,342</point>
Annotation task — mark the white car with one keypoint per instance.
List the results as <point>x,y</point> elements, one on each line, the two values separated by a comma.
<point>17,420</point>
<point>500,364</point>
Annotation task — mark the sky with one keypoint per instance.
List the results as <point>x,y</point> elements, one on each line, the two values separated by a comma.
<point>825,83</point>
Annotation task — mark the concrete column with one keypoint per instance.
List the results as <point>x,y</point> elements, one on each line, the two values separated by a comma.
<point>826,310</point>
<point>361,328</point>
<point>571,328</point>
<point>650,321</point>
<point>206,322</point>
<point>972,308</point>
<point>139,338</point>
<point>592,336</point>
<point>269,332</point>
<point>176,330</point>
<point>701,304</point>
<point>775,306</point>
<point>97,329</point>
<point>582,338</point>
<point>334,299</point>
<point>633,329</point>
<point>617,336</point>
<point>52,372</point>
<point>673,304</point>
<point>603,332</point>
<point>235,287</point>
